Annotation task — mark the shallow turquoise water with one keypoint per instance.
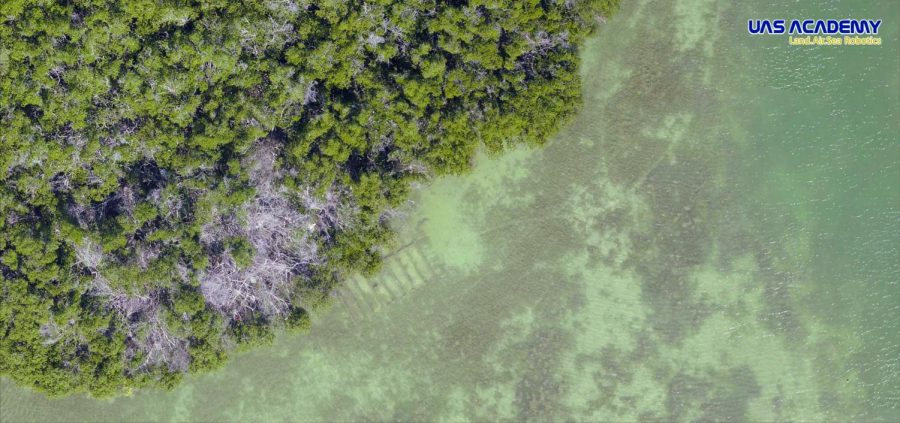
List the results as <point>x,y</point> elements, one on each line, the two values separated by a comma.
<point>826,128</point>
<point>716,236</point>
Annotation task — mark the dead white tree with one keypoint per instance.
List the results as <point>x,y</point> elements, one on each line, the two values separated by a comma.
<point>126,305</point>
<point>280,235</point>
<point>146,332</point>
<point>160,347</point>
<point>51,332</point>
<point>541,41</point>
<point>89,255</point>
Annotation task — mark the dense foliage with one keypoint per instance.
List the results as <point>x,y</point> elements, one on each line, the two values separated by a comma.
<point>178,178</point>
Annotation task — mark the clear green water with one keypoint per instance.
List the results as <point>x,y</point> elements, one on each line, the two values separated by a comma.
<point>714,237</point>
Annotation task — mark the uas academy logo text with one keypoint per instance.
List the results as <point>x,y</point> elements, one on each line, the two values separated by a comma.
<point>820,31</point>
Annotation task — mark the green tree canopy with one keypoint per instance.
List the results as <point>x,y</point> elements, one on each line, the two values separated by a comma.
<point>180,177</point>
